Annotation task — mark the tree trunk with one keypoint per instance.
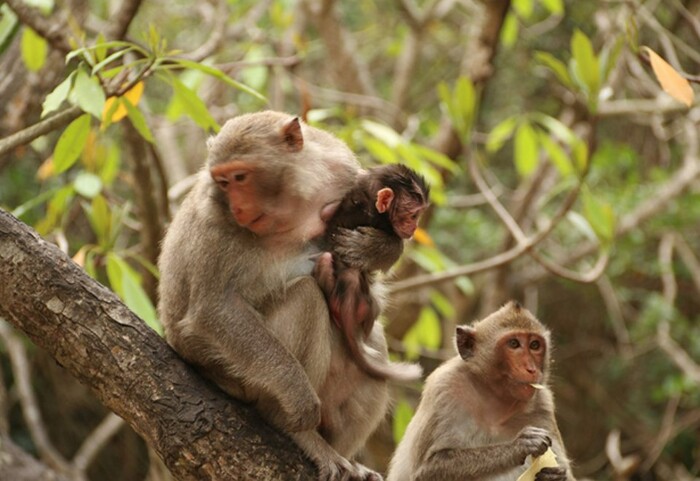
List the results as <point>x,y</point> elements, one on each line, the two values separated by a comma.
<point>199,432</point>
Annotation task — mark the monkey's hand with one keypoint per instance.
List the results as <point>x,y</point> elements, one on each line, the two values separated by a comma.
<point>324,273</point>
<point>552,474</point>
<point>367,248</point>
<point>531,441</point>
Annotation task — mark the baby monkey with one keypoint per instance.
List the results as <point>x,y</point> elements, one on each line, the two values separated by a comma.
<point>385,203</point>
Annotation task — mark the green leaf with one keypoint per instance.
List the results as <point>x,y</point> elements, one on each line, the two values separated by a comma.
<point>600,216</point>
<point>380,151</point>
<point>581,224</point>
<point>9,26</point>
<point>138,120</point>
<point>100,49</point>
<point>45,6</point>
<point>115,44</point>
<point>34,49</point>
<point>87,184</point>
<point>403,412</point>
<point>556,66</point>
<point>127,284</point>
<point>88,94</point>
<point>523,8</point>
<point>556,155</point>
<point>465,99</point>
<point>100,217</point>
<point>580,154</point>
<point>218,74</point>
<point>193,105</point>
<point>609,56</point>
<point>255,76</point>
<point>58,96</point>
<point>436,158</point>
<point>109,60</point>
<point>425,333</point>
<point>71,143</point>
<point>56,209</point>
<point>442,304</point>
<point>555,7</point>
<point>586,64</point>
<point>22,209</point>
<point>500,134</point>
<point>525,149</point>
<point>509,30</point>
<point>382,132</point>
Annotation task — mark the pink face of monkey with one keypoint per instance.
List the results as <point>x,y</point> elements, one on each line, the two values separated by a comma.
<point>404,210</point>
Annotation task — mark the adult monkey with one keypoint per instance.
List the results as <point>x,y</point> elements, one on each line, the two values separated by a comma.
<point>480,415</point>
<point>230,301</point>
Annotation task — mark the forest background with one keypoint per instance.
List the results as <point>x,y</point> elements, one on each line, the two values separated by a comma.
<point>562,176</point>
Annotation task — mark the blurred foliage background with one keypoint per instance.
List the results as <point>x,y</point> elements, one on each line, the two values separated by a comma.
<point>562,176</point>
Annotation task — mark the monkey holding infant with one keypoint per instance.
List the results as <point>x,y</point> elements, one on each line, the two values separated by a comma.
<point>232,302</point>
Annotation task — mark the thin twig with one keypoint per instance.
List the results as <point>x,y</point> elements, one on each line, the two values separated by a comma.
<point>42,127</point>
<point>119,22</point>
<point>28,401</point>
<point>93,444</point>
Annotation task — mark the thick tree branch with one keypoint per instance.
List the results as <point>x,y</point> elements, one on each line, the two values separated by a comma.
<point>199,432</point>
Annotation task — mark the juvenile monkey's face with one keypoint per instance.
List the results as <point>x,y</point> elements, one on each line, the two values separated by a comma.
<point>522,362</point>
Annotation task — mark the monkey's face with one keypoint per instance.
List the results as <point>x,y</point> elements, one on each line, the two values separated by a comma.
<point>405,219</point>
<point>261,202</point>
<point>522,358</point>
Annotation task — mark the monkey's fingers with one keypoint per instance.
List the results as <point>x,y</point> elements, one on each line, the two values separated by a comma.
<point>551,474</point>
<point>543,468</point>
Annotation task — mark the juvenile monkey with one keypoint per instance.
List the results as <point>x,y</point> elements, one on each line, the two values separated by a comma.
<point>233,305</point>
<point>385,204</point>
<point>480,415</point>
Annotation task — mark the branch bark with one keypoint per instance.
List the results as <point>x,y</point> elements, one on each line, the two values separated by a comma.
<point>199,432</point>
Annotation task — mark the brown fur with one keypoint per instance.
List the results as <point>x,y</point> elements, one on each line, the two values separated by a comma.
<point>463,431</point>
<point>233,305</point>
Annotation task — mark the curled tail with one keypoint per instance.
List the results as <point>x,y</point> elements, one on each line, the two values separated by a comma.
<point>376,364</point>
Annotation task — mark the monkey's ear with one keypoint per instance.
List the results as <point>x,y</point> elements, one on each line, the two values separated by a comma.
<point>292,136</point>
<point>384,198</point>
<point>465,338</point>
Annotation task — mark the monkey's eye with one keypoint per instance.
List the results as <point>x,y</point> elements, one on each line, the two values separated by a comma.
<point>240,176</point>
<point>222,182</point>
<point>535,345</point>
<point>513,343</point>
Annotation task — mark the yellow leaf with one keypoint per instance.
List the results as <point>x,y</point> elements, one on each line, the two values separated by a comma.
<point>133,95</point>
<point>547,460</point>
<point>79,257</point>
<point>671,81</point>
<point>46,169</point>
<point>423,238</point>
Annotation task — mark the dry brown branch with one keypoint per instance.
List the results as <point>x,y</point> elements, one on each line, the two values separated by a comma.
<point>617,319</point>
<point>35,131</point>
<point>670,289</point>
<point>93,444</point>
<point>120,21</point>
<point>147,201</point>
<point>343,61</point>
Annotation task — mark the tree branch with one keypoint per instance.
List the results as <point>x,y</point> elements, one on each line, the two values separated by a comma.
<point>199,432</point>
<point>35,131</point>
<point>51,29</point>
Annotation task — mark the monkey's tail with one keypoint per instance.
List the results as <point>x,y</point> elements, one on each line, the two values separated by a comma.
<point>373,363</point>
